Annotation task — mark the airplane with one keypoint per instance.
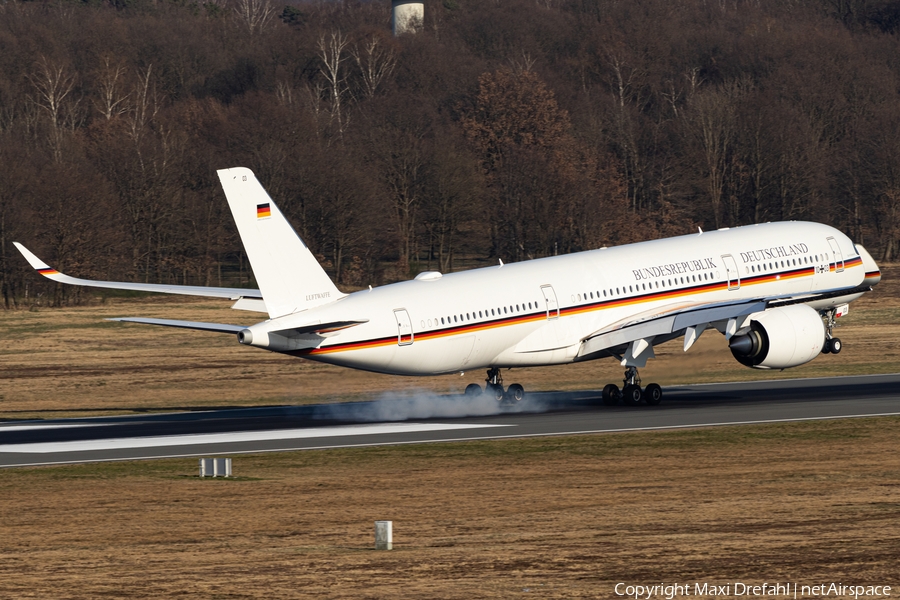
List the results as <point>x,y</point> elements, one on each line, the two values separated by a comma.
<point>774,291</point>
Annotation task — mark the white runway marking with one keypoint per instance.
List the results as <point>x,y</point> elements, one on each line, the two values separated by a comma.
<point>240,436</point>
<point>4,428</point>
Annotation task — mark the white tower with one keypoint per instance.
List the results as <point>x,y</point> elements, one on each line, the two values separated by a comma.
<point>407,16</point>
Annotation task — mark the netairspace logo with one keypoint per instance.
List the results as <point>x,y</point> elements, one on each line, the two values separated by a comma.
<point>790,590</point>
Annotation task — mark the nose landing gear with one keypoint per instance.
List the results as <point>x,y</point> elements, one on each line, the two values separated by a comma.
<point>832,344</point>
<point>631,393</point>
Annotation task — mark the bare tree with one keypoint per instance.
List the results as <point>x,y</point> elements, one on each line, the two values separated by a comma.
<point>332,54</point>
<point>54,84</point>
<point>113,99</point>
<point>144,108</point>
<point>714,118</point>
<point>255,15</point>
<point>376,58</point>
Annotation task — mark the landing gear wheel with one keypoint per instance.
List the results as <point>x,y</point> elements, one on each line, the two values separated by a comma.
<point>632,395</point>
<point>653,394</point>
<point>515,393</point>
<point>611,394</point>
<point>832,344</point>
<point>494,387</point>
<point>473,390</point>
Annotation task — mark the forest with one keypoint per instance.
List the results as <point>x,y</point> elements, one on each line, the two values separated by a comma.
<point>497,130</point>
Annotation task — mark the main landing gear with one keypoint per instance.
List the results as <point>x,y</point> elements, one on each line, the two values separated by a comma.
<point>494,388</point>
<point>832,344</point>
<point>631,393</point>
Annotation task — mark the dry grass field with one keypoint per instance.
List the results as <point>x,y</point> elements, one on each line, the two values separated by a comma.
<point>569,517</point>
<point>549,518</point>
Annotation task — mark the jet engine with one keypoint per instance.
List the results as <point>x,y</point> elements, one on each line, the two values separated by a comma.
<point>780,338</point>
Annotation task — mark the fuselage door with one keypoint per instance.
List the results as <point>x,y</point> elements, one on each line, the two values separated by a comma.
<point>837,256</point>
<point>404,327</point>
<point>550,301</point>
<point>731,269</point>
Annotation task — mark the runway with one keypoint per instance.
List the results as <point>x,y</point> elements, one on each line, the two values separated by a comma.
<point>427,419</point>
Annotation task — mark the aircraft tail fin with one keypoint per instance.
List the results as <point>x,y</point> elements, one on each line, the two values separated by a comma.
<point>289,276</point>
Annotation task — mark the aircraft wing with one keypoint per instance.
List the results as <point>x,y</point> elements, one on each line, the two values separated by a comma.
<point>639,332</point>
<point>668,322</point>
<point>247,299</point>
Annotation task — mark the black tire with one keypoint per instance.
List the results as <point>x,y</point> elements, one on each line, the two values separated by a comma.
<point>653,394</point>
<point>494,390</point>
<point>611,394</point>
<point>632,395</point>
<point>836,345</point>
<point>473,390</point>
<point>515,393</point>
<point>826,347</point>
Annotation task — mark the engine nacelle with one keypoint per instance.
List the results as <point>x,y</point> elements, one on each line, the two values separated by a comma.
<point>781,338</point>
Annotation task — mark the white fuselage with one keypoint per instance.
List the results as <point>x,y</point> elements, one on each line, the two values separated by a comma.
<point>540,312</point>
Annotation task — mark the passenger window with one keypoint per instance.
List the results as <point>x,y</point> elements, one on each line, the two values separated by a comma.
<point>504,310</point>
<point>454,318</point>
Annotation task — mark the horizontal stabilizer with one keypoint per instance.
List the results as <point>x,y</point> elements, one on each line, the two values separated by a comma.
<point>320,328</point>
<point>187,290</point>
<point>217,327</point>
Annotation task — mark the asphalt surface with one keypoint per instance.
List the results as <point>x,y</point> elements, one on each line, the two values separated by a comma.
<point>425,419</point>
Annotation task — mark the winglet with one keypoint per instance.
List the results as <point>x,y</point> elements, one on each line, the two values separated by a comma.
<point>37,264</point>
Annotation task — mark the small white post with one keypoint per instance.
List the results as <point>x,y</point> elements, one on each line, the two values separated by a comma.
<point>222,467</point>
<point>215,467</point>
<point>384,535</point>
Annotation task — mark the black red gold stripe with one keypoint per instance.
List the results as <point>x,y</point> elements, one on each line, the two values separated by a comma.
<point>48,271</point>
<point>574,310</point>
<point>263,210</point>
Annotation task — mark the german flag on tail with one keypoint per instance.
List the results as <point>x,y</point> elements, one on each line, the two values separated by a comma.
<point>263,211</point>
